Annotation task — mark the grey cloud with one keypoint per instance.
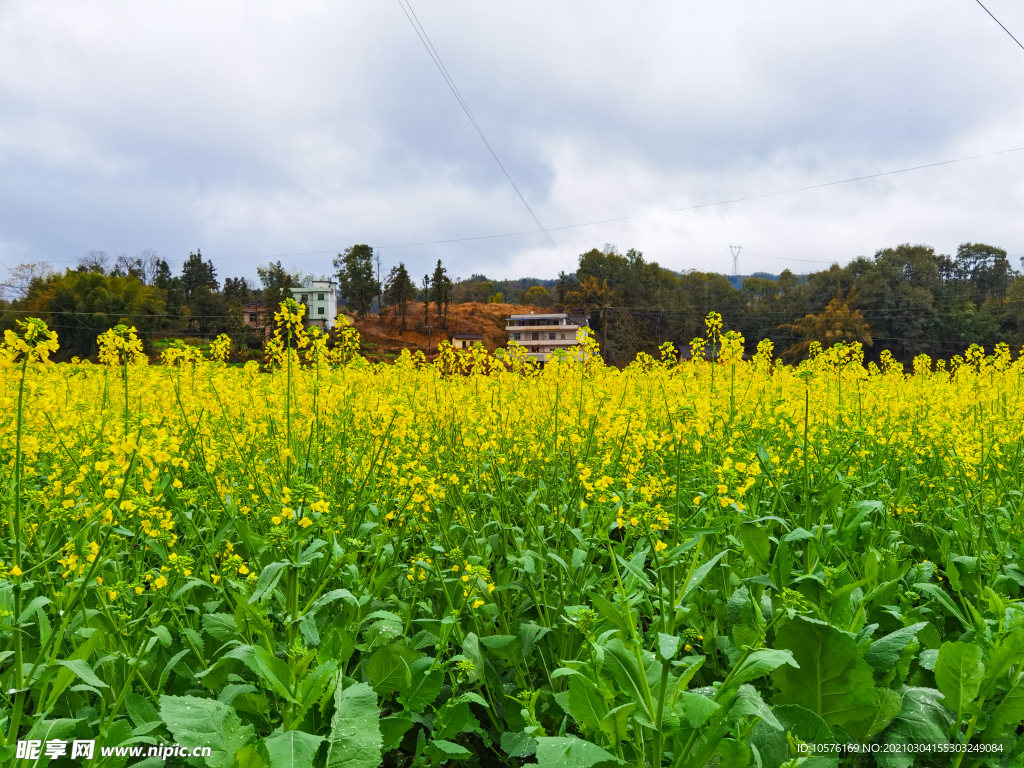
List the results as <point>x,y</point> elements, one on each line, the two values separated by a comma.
<point>280,128</point>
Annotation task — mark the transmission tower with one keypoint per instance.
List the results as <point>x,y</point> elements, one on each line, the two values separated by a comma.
<point>735,251</point>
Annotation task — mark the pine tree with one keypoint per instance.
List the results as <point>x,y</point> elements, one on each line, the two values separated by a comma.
<point>399,290</point>
<point>356,281</point>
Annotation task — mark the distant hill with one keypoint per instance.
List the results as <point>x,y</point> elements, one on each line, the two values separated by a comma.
<point>737,280</point>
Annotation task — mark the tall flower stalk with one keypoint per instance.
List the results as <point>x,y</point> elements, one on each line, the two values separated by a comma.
<point>33,344</point>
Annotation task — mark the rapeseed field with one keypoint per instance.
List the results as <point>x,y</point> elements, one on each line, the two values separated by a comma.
<point>720,561</point>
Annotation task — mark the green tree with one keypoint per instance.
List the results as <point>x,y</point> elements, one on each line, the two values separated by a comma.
<point>197,274</point>
<point>80,305</point>
<point>837,322</point>
<point>591,296</point>
<point>442,290</point>
<point>356,280</point>
<point>985,268</point>
<point>537,296</point>
<point>277,285</point>
<point>426,299</point>
<point>399,290</point>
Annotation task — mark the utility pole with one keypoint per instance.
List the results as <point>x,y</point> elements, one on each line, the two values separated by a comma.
<point>735,251</point>
<point>380,288</point>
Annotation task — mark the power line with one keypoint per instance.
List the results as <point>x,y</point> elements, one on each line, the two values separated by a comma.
<point>685,209</point>
<point>997,21</point>
<point>596,222</point>
<point>417,26</point>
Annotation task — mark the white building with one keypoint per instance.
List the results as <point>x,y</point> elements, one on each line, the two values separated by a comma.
<point>321,300</point>
<point>543,334</point>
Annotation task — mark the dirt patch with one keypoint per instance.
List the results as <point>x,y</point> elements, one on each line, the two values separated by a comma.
<point>383,339</point>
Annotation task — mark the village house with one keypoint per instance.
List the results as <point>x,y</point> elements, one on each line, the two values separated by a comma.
<point>543,334</point>
<point>466,340</point>
<point>321,300</point>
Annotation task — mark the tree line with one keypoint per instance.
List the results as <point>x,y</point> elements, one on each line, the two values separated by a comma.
<point>907,299</point>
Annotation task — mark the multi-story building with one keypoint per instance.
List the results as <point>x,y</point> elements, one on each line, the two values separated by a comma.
<point>543,334</point>
<point>321,300</point>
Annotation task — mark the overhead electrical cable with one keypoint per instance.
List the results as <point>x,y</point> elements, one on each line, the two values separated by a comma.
<point>546,230</point>
<point>417,26</point>
<point>997,21</point>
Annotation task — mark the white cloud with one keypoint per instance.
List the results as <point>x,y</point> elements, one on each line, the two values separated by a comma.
<point>281,128</point>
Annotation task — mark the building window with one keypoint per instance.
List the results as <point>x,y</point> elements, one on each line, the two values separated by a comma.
<point>319,297</point>
<point>536,336</point>
<point>516,336</point>
<point>563,335</point>
<point>321,311</point>
<point>551,336</point>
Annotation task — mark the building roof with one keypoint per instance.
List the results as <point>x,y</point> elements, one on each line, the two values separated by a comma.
<point>541,317</point>
<point>467,336</point>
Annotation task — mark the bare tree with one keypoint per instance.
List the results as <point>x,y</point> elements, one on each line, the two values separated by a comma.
<point>20,279</point>
<point>150,261</point>
<point>94,261</point>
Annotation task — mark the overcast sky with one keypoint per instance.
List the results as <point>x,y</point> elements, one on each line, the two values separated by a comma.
<point>259,129</point>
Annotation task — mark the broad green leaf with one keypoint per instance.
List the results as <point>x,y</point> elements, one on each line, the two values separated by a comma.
<point>756,544</point>
<point>171,665</point>
<point>29,610</point>
<point>267,581</point>
<point>66,676</point>
<point>803,723</point>
<point>748,703</point>
<point>761,662</point>
<point>206,723</point>
<point>885,651</point>
<point>568,752</point>
<point>888,705</point>
<point>833,681</point>
<point>221,626</point>
<point>44,730</point>
<point>443,751</point>
<point>313,686</point>
<point>330,597</point>
<point>627,673</point>
<point>610,611</point>
<point>699,575</point>
<point>936,593</point>
<point>387,667</point>
<point>958,673</point>
<point>355,740</point>
<point>453,718</point>
<point>140,709</point>
<point>694,708</point>
<point>1009,651</point>
<point>613,725</point>
<point>769,745</point>
<point>471,650</point>
<point>518,744</point>
<point>668,645</point>
<point>586,704</point>
<point>292,749</point>
<point>392,729</point>
<point>782,565</point>
<point>274,671</point>
<point>732,754</point>
<point>83,670</point>
<point>1010,711</point>
<point>423,687</point>
<point>921,720</point>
